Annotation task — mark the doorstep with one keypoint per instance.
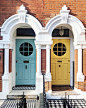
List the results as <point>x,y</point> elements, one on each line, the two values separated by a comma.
<point>29,94</point>
<point>62,94</point>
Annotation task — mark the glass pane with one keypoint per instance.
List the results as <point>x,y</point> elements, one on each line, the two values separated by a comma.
<point>25,48</point>
<point>55,53</point>
<point>54,49</point>
<point>21,49</point>
<point>25,32</point>
<point>64,49</point>
<point>31,49</point>
<point>55,45</point>
<point>30,45</point>
<point>55,33</point>
<point>59,49</point>
<point>59,53</point>
<point>25,44</point>
<point>25,53</point>
<point>30,53</point>
<point>21,53</point>
<point>59,44</point>
<point>63,53</point>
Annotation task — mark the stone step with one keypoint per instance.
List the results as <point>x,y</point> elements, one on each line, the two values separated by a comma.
<point>29,94</point>
<point>20,96</point>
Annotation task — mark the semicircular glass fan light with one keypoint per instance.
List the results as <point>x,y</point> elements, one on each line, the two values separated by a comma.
<point>61,32</point>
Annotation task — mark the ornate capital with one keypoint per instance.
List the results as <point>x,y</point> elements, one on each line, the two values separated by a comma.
<point>64,14</point>
<point>22,13</point>
<point>38,46</point>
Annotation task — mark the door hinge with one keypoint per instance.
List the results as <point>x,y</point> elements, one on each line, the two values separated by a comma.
<point>16,73</point>
<point>16,61</point>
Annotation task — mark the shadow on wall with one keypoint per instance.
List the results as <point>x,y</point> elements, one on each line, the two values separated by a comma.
<point>10,7</point>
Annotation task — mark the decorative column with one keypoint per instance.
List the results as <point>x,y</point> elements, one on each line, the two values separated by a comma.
<point>39,76</point>
<point>6,60</point>
<point>38,47</point>
<point>5,77</point>
<point>80,76</point>
<point>48,47</point>
<point>48,73</point>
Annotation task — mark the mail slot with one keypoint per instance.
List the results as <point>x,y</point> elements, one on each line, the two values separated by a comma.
<point>25,61</point>
<point>59,61</point>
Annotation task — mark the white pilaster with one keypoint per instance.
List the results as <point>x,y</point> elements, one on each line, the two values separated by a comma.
<point>80,76</point>
<point>5,77</point>
<point>38,47</point>
<point>48,73</point>
<point>39,77</point>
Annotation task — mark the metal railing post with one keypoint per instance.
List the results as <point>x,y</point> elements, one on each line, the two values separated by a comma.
<point>44,94</point>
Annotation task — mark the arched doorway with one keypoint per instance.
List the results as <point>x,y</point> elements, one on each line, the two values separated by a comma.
<point>25,55</point>
<point>62,56</point>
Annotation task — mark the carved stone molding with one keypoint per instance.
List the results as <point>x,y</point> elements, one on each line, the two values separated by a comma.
<point>64,14</point>
<point>22,13</point>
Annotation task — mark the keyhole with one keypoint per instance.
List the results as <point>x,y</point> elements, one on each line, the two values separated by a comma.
<point>59,65</point>
<point>26,67</point>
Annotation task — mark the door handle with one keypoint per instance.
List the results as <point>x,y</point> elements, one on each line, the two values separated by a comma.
<point>69,72</point>
<point>26,67</point>
<point>16,73</point>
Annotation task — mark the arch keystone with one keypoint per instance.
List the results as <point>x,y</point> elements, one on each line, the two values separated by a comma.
<point>64,14</point>
<point>22,13</point>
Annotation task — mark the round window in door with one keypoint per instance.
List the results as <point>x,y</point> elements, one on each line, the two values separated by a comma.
<point>59,49</point>
<point>26,49</point>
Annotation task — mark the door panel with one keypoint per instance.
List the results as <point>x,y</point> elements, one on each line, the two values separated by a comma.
<point>53,71</point>
<point>26,62</point>
<point>32,71</point>
<point>20,69</point>
<point>60,63</point>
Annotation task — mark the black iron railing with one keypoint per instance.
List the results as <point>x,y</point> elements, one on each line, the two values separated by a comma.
<point>44,94</point>
<point>66,103</point>
<point>22,103</point>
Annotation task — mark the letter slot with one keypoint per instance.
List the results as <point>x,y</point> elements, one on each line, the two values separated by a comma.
<point>59,61</point>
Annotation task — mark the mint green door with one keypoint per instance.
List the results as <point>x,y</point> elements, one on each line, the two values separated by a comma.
<point>25,62</point>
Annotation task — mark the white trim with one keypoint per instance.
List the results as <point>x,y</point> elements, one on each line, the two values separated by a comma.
<point>24,37</point>
<point>80,76</point>
<point>76,25</point>
<point>71,58</point>
<point>82,93</point>
<point>38,47</point>
<point>61,38</point>
<point>48,73</point>
<point>43,46</point>
<point>13,22</point>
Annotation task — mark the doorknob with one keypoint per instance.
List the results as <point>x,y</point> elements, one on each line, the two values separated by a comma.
<point>26,67</point>
<point>69,72</point>
<point>59,65</point>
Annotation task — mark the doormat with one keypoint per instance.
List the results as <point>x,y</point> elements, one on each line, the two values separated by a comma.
<point>23,88</point>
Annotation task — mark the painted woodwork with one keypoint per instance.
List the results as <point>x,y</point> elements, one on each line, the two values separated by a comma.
<point>25,62</point>
<point>60,62</point>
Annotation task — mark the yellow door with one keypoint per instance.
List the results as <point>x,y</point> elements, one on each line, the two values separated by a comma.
<point>60,62</point>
